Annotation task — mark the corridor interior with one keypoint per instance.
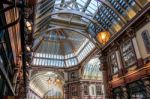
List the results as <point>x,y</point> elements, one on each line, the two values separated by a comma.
<point>74,49</point>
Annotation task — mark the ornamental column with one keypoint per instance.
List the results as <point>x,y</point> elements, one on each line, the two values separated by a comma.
<point>103,68</point>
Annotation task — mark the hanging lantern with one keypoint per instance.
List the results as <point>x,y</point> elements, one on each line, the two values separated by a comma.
<point>103,37</point>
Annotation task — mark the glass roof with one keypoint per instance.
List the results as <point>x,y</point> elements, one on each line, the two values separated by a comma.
<point>91,70</point>
<point>62,48</point>
<point>109,15</point>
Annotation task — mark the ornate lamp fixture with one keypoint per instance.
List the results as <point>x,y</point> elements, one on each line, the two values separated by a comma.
<point>57,80</point>
<point>103,37</point>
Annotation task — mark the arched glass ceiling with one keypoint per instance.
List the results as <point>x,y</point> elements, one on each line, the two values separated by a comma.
<point>114,14</point>
<point>61,48</point>
<point>110,14</point>
<point>88,16</point>
<point>91,70</point>
<point>41,85</point>
<point>87,6</point>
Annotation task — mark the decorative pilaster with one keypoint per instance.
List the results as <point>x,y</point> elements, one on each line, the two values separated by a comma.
<point>125,93</point>
<point>137,52</point>
<point>81,90</point>
<point>120,66</point>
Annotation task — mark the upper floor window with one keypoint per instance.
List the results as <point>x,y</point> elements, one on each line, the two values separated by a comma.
<point>98,90</point>
<point>73,75</point>
<point>86,89</point>
<point>128,54</point>
<point>146,39</point>
<point>113,63</point>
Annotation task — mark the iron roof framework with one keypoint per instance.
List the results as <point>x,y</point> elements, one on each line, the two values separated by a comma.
<point>86,16</point>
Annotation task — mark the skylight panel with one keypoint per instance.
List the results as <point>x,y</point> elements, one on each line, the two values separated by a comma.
<point>46,62</point>
<point>67,64</point>
<point>50,62</point>
<point>93,6</point>
<point>81,2</point>
<point>46,55</point>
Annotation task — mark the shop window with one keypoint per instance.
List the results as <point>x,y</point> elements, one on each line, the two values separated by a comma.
<point>86,90</point>
<point>98,90</point>
<point>137,96</point>
<point>137,90</point>
<point>128,54</point>
<point>113,63</point>
<point>146,39</point>
<point>118,93</point>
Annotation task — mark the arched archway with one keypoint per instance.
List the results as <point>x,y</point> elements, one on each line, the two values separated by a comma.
<point>47,84</point>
